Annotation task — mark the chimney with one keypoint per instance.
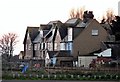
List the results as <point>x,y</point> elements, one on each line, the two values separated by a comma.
<point>87,15</point>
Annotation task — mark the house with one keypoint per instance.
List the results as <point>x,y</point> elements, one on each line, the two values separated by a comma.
<point>30,35</point>
<point>89,38</point>
<point>84,37</point>
<point>64,59</point>
<point>59,44</point>
<point>115,49</point>
<point>53,39</point>
<point>39,44</point>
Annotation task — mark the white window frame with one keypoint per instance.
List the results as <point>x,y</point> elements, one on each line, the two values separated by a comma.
<point>55,46</point>
<point>45,45</point>
<point>69,45</point>
<point>35,46</point>
<point>62,46</point>
<point>94,32</point>
<point>70,34</point>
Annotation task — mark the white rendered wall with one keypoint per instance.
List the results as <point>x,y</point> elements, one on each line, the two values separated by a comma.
<point>85,60</point>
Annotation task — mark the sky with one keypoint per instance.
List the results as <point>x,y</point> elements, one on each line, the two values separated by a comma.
<point>16,15</point>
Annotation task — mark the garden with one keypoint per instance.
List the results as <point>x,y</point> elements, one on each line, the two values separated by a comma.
<point>42,74</point>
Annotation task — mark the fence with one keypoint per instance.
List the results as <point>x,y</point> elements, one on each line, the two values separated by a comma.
<point>82,70</point>
<point>63,77</point>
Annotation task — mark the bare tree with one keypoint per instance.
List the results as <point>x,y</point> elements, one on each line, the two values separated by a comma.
<point>72,13</point>
<point>109,16</point>
<point>77,13</point>
<point>7,43</point>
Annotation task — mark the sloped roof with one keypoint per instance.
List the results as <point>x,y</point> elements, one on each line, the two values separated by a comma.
<point>52,53</point>
<point>61,28</point>
<point>45,32</point>
<point>107,27</point>
<point>81,24</point>
<point>33,32</point>
<point>54,22</point>
<point>45,27</point>
<point>72,21</point>
<point>63,32</point>
<point>39,38</point>
<point>77,31</point>
<point>50,36</point>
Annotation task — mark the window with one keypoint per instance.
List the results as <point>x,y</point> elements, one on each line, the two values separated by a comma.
<point>29,46</point>
<point>69,34</point>
<point>55,47</point>
<point>45,45</point>
<point>38,46</point>
<point>62,46</point>
<point>35,46</point>
<point>26,46</point>
<point>41,45</point>
<point>50,46</point>
<point>53,31</point>
<point>70,46</point>
<point>94,32</point>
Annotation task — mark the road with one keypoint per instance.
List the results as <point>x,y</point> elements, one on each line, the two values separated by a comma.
<point>51,81</point>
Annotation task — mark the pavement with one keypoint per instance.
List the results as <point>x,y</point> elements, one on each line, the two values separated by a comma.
<point>51,81</point>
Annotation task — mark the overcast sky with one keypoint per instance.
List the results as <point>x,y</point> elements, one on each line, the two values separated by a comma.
<point>16,15</point>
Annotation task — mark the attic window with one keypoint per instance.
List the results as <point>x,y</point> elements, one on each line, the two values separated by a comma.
<point>94,32</point>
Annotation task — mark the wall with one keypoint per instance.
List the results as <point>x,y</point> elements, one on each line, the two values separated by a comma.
<point>85,43</point>
<point>85,60</point>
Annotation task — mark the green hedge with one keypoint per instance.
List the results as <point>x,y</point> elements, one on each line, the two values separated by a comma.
<point>61,77</point>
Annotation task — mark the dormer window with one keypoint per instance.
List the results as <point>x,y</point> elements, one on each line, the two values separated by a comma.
<point>94,32</point>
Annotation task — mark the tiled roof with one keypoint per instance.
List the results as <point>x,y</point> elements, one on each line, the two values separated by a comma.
<point>52,53</point>
<point>45,32</point>
<point>54,22</point>
<point>81,24</point>
<point>38,38</point>
<point>72,21</point>
<point>45,27</point>
<point>77,31</point>
<point>33,32</point>
<point>63,32</point>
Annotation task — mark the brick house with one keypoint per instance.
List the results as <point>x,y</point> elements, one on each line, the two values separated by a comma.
<point>62,43</point>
